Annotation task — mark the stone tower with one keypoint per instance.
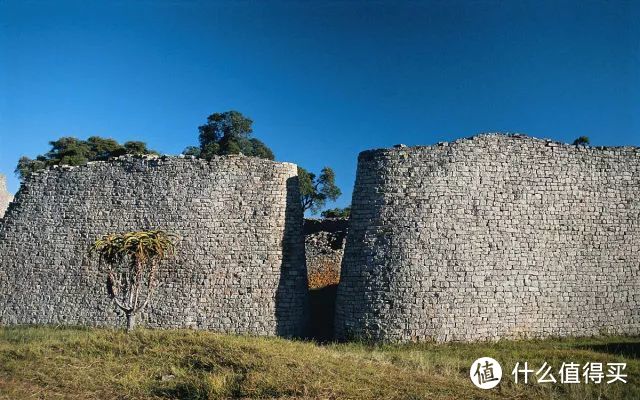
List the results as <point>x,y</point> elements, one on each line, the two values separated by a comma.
<point>497,236</point>
<point>239,265</point>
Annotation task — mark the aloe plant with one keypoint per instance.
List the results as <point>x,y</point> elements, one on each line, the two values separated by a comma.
<point>132,260</point>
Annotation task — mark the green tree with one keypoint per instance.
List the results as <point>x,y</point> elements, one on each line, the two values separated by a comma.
<point>228,133</point>
<point>255,148</point>
<point>137,147</point>
<point>72,151</point>
<point>192,151</point>
<point>132,261</point>
<point>316,190</point>
<point>26,165</point>
<point>336,213</point>
<point>103,148</point>
<point>68,151</point>
<point>582,141</point>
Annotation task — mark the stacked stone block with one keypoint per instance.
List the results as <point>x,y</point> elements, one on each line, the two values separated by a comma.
<point>324,248</point>
<point>5,196</point>
<point>239,265</point>
<point>496,236</point>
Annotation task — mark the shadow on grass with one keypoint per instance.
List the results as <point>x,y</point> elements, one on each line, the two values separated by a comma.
<point>628,349</point>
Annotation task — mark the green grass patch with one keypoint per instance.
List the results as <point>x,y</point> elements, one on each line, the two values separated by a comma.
<point>81,363</point>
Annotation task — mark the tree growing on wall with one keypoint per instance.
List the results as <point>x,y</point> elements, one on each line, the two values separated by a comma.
<point>132,260</point>
<point>581,141</point>
<point>230,132</point>
<point>316,190</point>
<point>73,151</point>
<point>225,133</point>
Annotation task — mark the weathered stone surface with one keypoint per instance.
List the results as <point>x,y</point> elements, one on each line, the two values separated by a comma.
<point>492,237</point>
<point>239,265</point>
<point>5,196</point>
<point>324,247</point>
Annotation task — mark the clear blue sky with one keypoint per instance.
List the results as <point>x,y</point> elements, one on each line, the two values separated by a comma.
<point>322,80</point>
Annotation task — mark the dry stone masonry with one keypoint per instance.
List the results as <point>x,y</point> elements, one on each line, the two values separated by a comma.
<point>239,265</point>
<point>5,196</point>
<point>492,237</point>
<point>496,236</point>
<point>324,247</point>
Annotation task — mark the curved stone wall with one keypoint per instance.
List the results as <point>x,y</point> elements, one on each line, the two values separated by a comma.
<point>239,265</point>
<point>492,237</point>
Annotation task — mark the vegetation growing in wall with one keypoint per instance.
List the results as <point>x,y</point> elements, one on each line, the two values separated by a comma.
<point>72,151</point>
<point>228,132</point>
<point>132,261</point>
<point>224,133</point>
<point>581,141</point>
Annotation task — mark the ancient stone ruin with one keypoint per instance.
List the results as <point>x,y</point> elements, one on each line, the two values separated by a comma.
<point>324,246</point>
<point>492,237</point>
<point>239,265</point>
<point>496,236</point>
<point>5,196</point>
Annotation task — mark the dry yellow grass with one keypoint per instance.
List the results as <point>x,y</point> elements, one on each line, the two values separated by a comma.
<point>76,363</point>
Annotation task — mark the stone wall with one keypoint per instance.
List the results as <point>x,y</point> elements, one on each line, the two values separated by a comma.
<point>324,247</point>
<point>492,237</point>
<point>5,196</point>
<point>239,265</point>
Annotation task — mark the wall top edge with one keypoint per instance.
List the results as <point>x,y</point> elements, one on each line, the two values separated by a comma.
<point>495,136</point>
<point>158,160</point>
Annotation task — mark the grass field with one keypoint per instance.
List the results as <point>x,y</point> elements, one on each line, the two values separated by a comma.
<point>79,363</point>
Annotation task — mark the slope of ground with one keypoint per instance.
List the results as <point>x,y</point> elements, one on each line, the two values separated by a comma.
<point>78,363</point>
